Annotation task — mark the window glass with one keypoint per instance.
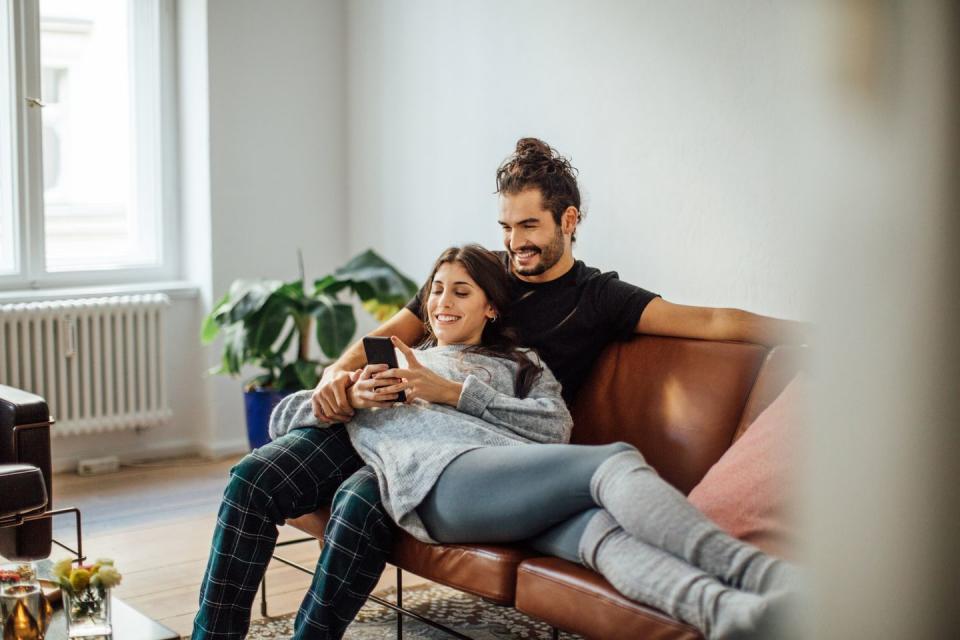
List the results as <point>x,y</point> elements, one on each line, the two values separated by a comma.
<point>8,258</point>
<point>91,215</point>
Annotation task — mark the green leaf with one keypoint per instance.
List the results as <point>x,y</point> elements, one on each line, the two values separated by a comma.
<point>234,347</point>
<point>245,297</point>
<point>210,327</point>
<point>301,374</point>
<point>293,294</point>
<point>306,371</point>
<point>265,325</point>
<point>288,380</point>
<point>272,361</point>
<point>209,330</point>
<point>287,340</point>
<point>329,285</point>
<point>366,291</point>
<point>371,277</point>
<point>336,325</point>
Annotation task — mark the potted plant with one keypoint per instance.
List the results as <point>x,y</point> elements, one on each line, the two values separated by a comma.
<point>262,319</point>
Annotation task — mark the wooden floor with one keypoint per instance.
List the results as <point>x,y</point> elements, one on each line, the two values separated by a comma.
<point>156,522</point>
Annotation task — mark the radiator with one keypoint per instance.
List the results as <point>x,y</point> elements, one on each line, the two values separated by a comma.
<point>98,362</point>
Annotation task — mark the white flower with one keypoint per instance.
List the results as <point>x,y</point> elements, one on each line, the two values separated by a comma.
<point>61,569</point>
<point>109,576</point>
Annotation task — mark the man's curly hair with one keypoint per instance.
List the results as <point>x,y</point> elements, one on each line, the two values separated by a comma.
<point>536,165</point>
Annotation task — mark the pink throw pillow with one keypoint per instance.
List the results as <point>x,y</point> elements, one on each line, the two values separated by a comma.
<point>749,492</point>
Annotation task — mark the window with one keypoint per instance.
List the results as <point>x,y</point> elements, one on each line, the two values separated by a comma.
<point>86,143</point>
<point>8,245</point>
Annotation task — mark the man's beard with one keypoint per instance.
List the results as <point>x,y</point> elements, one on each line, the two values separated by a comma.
<point>549,256</point>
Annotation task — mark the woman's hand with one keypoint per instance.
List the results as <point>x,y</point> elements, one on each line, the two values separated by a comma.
<point>368,392</point>
<point>417,381</point>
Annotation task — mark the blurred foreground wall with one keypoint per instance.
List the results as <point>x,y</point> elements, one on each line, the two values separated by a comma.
<point>882,156</point>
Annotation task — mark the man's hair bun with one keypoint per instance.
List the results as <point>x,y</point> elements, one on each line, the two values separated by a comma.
<point>533,146</point>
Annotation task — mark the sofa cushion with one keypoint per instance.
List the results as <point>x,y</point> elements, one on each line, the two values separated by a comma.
<point>748,491</point>
<point>488,571</point>
<point>678,401</point>
<point>575,599</point>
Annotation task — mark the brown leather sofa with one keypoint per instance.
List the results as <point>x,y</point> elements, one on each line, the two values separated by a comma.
<point>682,403</point>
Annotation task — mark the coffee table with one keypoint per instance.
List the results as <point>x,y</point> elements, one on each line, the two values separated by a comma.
<point>128,624</point>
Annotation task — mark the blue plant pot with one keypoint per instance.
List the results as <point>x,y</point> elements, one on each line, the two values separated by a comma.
<point>259,403</point>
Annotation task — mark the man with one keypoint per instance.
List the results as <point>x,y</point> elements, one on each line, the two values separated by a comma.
<point>566,310</point>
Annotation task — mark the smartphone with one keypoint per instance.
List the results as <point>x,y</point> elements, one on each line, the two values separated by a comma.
<point>380,351</point>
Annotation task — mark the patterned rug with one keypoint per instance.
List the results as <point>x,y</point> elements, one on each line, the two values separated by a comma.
<point>466,614</point>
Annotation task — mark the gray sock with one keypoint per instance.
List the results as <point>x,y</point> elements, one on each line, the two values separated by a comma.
<point>653,511</point>
<point>653,577</point>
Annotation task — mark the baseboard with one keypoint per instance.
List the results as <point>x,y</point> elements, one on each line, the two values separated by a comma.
<point>158,451</point>
<point>224,448</point>
<point>168,449</point>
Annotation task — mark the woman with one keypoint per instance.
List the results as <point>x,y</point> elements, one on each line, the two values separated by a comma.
<point>454,465</point>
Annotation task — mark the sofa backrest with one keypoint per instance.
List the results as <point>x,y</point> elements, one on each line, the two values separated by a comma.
<point>679,401</point>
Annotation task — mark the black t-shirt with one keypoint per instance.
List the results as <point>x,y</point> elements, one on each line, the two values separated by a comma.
<point>571,319</point>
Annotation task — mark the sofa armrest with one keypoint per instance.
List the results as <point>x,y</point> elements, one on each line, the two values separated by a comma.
<point>779,367</point>
<point>22,490</point>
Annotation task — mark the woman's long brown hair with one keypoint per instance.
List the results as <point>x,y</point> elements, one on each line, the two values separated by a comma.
<point>498,338</point>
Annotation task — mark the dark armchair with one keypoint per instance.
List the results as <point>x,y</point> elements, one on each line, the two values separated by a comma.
<point>26,501</point>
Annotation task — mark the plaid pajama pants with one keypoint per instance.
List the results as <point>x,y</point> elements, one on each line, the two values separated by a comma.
<point>294,475</point>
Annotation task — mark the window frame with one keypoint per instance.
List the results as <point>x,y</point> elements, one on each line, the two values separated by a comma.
<point>153,49</point>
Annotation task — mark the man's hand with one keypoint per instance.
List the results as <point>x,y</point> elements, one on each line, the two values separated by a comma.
<point>369,392</point>
<point>419,381</point>
<point>329,399</point>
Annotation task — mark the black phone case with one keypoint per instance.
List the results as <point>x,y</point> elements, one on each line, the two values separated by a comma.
<point>380,351</point>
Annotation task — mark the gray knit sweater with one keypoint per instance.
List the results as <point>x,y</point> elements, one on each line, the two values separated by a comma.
<point>409,445</point>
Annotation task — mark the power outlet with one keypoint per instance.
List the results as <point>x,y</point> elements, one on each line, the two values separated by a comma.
<point>97,466</point>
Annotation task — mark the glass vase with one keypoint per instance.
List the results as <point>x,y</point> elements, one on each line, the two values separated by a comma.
<point>24,612</point>
<point>87,612</point>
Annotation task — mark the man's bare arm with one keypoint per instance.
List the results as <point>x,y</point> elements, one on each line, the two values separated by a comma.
<point>330,402</point>
<point>662,318</point>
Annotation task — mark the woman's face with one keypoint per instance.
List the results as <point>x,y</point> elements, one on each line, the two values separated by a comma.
<point>458,308</point>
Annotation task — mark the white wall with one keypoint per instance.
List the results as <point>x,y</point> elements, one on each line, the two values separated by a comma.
<point>674,112</point>
<point>276,149</point>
